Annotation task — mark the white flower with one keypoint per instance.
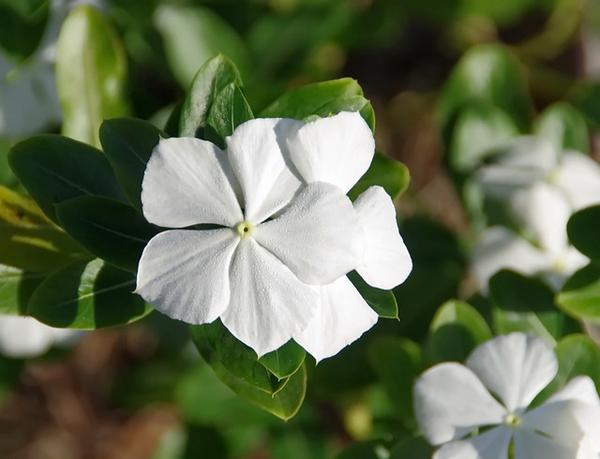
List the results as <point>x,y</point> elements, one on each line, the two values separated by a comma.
<point>452,401</point>
<point>541,187</point>
<point>24,337</point>
<point>275,268</point>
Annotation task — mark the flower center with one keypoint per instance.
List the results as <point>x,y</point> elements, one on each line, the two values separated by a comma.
<point>512,420</point>
<point>244,229</point>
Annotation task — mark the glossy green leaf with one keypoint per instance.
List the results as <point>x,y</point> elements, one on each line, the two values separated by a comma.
<point>28,240</point>
<point>411,448</point>
<point>192,35</point>
<point>216,74</point>
<point>580,296</point>
<point>489,74</point>
<point>228,110</point>
<point>527,305</point>
<point>583,231</point>
<point>16,287</point>
<point>285,361</point>
<point>322,99</point>
<point>128,144</point>
<point>479,128</point>
<point>397,362</point>
<point>586,98</point>
<point>87,296</point>
<point>110,230</point>
<point>383,302</point>
<point>236,365</point>
<point>384,171</point>
<point>218,346</point>
<point>565,127</point>
<point>577,355</point>
<point>91,70</point>
<point>55,168</point>
<point>457,328</point>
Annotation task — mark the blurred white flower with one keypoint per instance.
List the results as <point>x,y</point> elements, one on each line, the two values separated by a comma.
<point>28,98</point>
<point>453,401</point>
<point>540,187</point>
<point>24,337</point>
<point>288,234</point>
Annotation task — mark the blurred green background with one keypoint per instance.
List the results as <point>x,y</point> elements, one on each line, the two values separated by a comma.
<point>141,391</point>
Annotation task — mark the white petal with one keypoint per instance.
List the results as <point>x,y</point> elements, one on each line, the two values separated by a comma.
<point>318,236</point>
<point>500,248</point>
<point>556,420</point>
<point>387,262</point>
<point>186,183</point>
<point>515,367</point>
<point>184,273</point>
<point>336,150</point>
<point>341,319</point>
<point>450,401</point>
<point>492,444</point>
<point>544,211</point>
<point>259,157</point>
<point>269,305</point>
<point>579,177</point>
<point>525,161</point>
<point>23,337</point>
<point>530,445</point>
<point>580,388</point>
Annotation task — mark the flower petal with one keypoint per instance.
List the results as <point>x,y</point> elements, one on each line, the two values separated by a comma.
<point>24,337</point>
<point>450,401</point>
<point>269,305</point>
<point>336,150</point>
<point>499,248</point>
<point>387,262</point>
<point>184,273</point>
<point>526,160</point>
<point>579,177</point>
<point>318,236</point>
<point>186,183</point>
<point>492,444</point>
<point>260,160</point>
<point>544,211</point>
<point>516,367</point>
<point>341,319</point>
<point>531,445</point>
<point>579,388</point>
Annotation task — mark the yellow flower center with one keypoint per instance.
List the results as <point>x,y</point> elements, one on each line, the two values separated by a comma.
<point>512,420</point>
<point>244,229</point>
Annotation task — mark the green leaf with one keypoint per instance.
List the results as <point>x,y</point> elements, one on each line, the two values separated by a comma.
<point>411,448</point>
<point>489,74</point>
<point>479,128</point>
<point>192,35</point>
<point>577,355</point>
<point>228,110</point>
<point>284,361</point>
<point>397,362</point>
<point>383,302</point>
<point>23,25</point>
<point>87,296</point>
<point>91,70</point>
<point>322,99</point>
<point>583,231</point>
<point>28,240</point>
<point>55,168</point>
<point>373,449</point>
<point>237,366</point>
<point>128,144</point>
<point>216,344</point>
<point>113,231</point>
<point>457,328</point>
<point>527,305</point>
<point>216,74</point>
<point>565,127</point>
<point>16,287</point>
<point>392,175</point>
<point>580,296</point>
<point>586,98</point>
